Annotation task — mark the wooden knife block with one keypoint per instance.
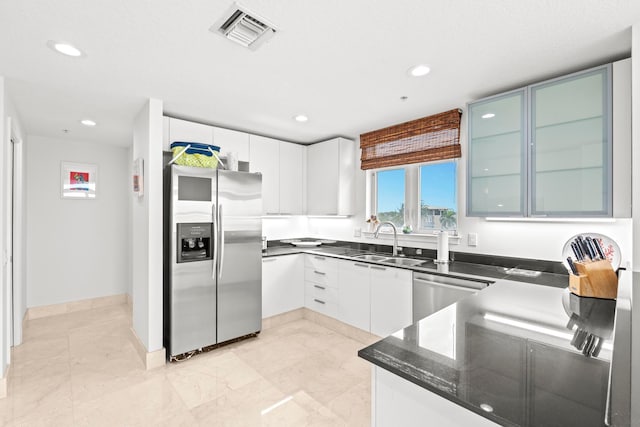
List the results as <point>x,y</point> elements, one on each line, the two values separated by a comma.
<point>596,279</point>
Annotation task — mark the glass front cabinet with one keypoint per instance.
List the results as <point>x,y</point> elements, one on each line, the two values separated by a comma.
<point>544,150</point>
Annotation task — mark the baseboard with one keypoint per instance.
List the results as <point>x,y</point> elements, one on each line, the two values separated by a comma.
<point>130,303</point>
<point>322,320</point>
<point>70,307</point>
<point>151,360</point>
<point>281,319</point>
<point>4,381</point>
<point>342,328</point>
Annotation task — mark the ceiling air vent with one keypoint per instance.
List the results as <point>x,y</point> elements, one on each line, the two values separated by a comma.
<point>244,27</point>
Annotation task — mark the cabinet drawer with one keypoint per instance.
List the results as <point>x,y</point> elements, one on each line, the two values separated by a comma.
<point>322,277</point>
<point>321,306</point>
<point>321,263</point>
<point>321,292</point>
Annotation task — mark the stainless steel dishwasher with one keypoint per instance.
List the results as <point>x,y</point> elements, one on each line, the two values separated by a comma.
<point>432,293</point>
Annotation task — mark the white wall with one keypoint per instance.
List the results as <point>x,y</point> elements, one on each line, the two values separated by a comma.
<point>635,314</point>
<point>18,283</point>
<point>4,302</point>
<point>76,249</point>
<point>146,214</point>
<point>285,227</point>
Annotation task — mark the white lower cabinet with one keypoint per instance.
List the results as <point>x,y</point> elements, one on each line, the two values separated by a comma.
<point>398,402</point>
<point>391,299</point>
<point>353,294</point>
<point>321,284</point>
<point>371,297</point>
<point>282,291</point>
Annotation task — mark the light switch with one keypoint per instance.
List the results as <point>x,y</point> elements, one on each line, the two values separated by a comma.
<point>357,232</point>
<point>473,239</point>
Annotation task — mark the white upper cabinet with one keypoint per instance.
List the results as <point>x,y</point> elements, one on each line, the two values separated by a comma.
<point>185,131</point>
<point>558,148</point>
<point>282,166</point>
<point>264,157</point>
<point>292,165</point>
<point>331,175</point>
<point>232,141</point>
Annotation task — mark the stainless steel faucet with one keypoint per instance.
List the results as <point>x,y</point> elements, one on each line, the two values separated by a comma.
<point>395,235</point>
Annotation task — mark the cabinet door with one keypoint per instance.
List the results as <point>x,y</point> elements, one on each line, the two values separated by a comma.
<point>264,157</point>
<point>232,141</point>
<point>291,178</point>
<point>282,284</point>
<point>496,175</point>
<point>323,175</point>
<point>353,294</point>
<point>570,145</point>
<point>182,130</point>
<point>391,304</point>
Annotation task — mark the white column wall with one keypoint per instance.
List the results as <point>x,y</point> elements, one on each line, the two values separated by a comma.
<point>147,228</point>
<point>635,173</point>
<point>4,304</point>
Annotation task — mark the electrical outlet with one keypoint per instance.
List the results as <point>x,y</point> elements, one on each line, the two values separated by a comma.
<point>357,232</point>
<point>472,239</point>
<point>418,251</point>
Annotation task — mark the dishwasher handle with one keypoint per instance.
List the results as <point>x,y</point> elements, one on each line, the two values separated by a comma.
<point>453,284</point>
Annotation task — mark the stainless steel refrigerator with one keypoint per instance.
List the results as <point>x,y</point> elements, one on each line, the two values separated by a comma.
<point>213,283</point>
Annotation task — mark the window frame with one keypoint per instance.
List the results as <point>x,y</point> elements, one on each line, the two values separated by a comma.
<point>412,189</point>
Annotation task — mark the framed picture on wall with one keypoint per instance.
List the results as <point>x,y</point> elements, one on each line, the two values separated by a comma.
<point>78,180</point>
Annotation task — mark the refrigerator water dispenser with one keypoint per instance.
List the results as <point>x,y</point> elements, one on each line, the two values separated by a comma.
<point>194,242</point>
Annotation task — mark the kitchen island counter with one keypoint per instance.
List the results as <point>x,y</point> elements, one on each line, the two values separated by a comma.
<point>512,354</point>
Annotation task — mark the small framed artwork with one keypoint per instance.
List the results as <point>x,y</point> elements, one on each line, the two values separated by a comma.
<point>138,174</point>
<point>78,180</point>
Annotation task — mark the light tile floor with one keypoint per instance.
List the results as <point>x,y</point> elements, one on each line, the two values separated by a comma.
<point>81,369</point>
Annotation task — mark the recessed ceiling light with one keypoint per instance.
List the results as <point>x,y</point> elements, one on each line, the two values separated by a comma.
<point>488,116</point>
<point>301,118</point>
<point>419,70</point>
<point>65,48</point>
<point>88,122</point>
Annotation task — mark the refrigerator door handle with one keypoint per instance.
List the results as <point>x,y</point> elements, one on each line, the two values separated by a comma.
<point>215,240</point>
<point>221,232</point>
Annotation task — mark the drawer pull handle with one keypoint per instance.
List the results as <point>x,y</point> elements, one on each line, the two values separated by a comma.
<point>319,301</point>
<point>319,287</point>
<point>374,267</point>
<point>361,265</point>
<point>319,272</point>
<point>321,258</point>
<point>268,259</point>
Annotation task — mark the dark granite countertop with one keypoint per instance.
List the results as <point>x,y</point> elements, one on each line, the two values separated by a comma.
<point>455,268</point>
<point>510,353</point>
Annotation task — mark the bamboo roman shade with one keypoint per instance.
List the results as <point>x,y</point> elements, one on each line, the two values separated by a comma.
<point>428,139</point>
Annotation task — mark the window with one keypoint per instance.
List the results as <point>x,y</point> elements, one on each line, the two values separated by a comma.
<point>390,186</point>
<point>438,207</point>
<point>422,197</point>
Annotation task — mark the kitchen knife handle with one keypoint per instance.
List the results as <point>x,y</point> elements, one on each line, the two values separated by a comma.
<point>592,247</point>
<point>585,248</point>
<point>575,250</point>
<point>582,248</point>
<point>596,244</point>
<point>572,266</point>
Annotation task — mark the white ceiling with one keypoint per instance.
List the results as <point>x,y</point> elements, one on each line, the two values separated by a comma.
<point>343,63</point>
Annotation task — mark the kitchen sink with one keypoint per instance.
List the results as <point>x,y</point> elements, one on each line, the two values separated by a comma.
<point>370,257</point>
<point>408,262</point>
